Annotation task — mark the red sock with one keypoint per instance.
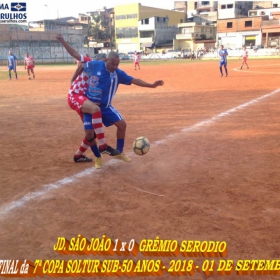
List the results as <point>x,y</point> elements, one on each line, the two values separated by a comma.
<point>98,129</point>
<point>84,146</point>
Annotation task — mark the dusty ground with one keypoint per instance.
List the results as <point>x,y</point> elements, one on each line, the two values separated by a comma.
<point>218,180</point>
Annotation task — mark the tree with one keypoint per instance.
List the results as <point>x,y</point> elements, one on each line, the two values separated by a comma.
<point>203,37</point>
<point>96,29</point>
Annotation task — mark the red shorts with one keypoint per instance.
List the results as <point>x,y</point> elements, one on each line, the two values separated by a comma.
<point>75,101</point>
<point>136,63</point>
<point>30,67</point>
<point>244,58</point>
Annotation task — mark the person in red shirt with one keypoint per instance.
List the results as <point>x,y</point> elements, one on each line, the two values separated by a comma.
<point>29,65</point>
<point>244,55</point>
<point>136,60</point>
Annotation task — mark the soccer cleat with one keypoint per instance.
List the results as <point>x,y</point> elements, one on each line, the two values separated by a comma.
<point>29,78</point>
<point>33,76</point>
<point>98,163</point>
<point>82,158</point>
<point>221,75</point>
<point>123,157</point>
<point>240,68</point>
<point>109,151</point>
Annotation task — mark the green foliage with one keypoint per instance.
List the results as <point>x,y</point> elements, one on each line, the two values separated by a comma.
<point>203,37</point>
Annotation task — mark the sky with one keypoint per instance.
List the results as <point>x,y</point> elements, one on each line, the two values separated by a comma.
<point>52,9</point>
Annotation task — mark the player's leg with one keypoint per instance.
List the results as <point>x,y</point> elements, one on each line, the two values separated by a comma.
<point>245,61</point>
<point>10,74</point>
<point>221,69</point>
<point>28,73</point>
<point>242,64</point>
<point>15,71</point>
<point>111,116</point>
<point>225,66</point>
<point>92,114</point>
<point>79,157</point>
<point>33,73</point>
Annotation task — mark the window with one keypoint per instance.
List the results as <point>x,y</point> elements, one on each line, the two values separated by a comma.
<point>145,21</point>
<point>195,5</point>
<point>229,24</point>
<point>181,21</point>
<point>248,23</point>
<point>157,18</point>
<point>164,19</point>
<point>223,7</point>
<point>275,5</point>
<point>126,32</point>
<point>205,2</point>
<point>132,16</point>
<point>230,6</point>
<point>120,17</point>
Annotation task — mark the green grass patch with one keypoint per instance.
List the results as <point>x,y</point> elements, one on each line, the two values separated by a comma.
<point>4,75</point>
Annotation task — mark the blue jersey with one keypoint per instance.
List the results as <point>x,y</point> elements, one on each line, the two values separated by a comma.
<point>223,55</point>
<point>12,61</point>
<point>102,84</point>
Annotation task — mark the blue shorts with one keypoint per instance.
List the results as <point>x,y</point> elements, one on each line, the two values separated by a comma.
<point>223,63</point>
<point>110,115</point>
<point>12,68</point>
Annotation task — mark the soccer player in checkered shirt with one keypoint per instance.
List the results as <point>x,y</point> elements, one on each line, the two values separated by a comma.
<point>244,56</point>
<point>12,64</point>
<point>104,78</point>
<point>91,115</point>
<point>29,65</point>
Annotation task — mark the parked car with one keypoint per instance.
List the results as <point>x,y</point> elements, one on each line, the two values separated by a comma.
<point>124,56</point>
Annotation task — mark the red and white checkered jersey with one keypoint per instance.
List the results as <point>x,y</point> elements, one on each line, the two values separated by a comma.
<point>29,61</point>
<point>79,86</point>
<point>245,53</point>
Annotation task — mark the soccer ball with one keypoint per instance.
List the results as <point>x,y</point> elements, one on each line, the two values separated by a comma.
<point>141,146</point>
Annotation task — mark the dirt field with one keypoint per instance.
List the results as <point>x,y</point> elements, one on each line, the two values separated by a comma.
<point>212,172</point>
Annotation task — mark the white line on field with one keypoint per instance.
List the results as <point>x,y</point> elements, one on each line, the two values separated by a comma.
<point>5,209</point>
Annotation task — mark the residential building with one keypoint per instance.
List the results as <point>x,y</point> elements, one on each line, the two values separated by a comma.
<point>266,4</point>
<point>195,36</point>
<point>236,32</point>
<point>154,32</point>
<point>105,18</point>
<point>127,18</point>
<point>233,9</point>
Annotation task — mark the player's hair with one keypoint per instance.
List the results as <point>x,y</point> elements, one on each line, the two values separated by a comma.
<point>113,54</point>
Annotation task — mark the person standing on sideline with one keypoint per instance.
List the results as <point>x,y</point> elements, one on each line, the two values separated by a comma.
<point>12,64</point>
<point>136,60</point>
<point>29,65</point>
<point>244,55</point>
<point>223,60</point>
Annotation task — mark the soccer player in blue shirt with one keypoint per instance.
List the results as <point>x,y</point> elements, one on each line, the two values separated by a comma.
<point>12,64</point>
<point>223,60</point>
<point>104,78</point>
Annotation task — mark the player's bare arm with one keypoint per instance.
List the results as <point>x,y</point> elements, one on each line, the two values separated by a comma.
<point>142,83</point>
<point>77,72</point>
<point>68,48</point>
